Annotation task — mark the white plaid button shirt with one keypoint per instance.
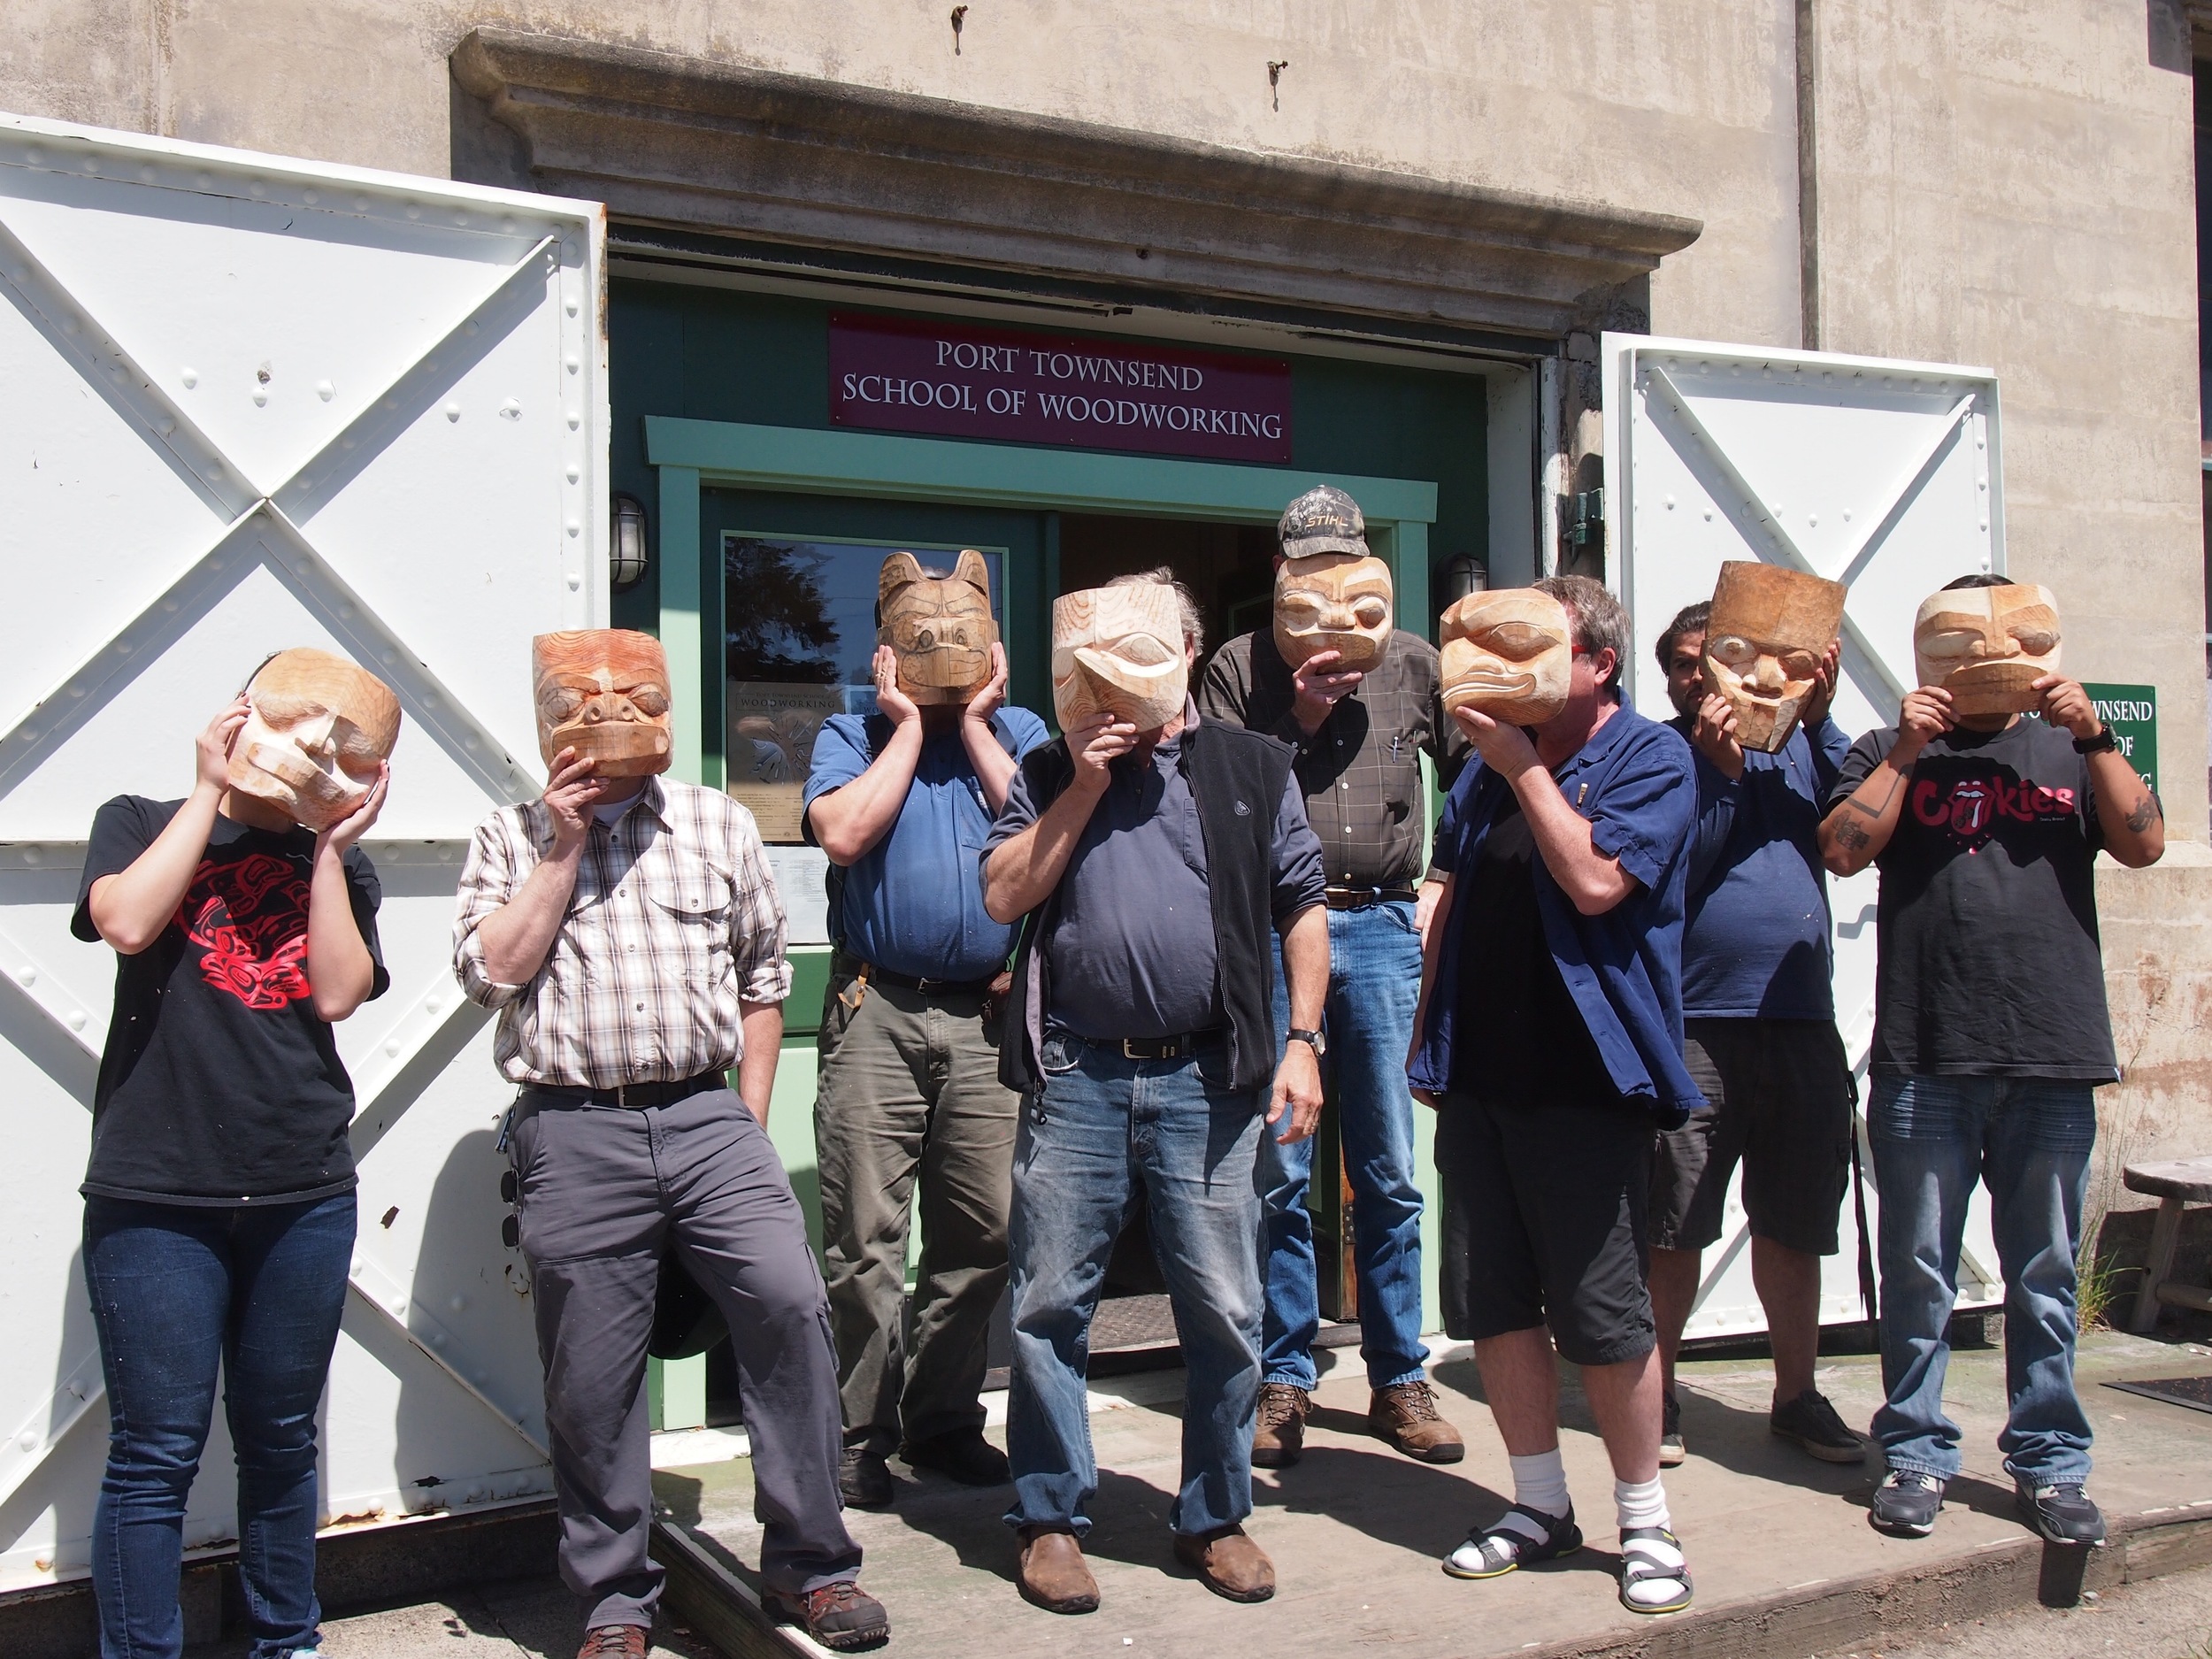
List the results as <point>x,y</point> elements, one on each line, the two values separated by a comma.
<point>674,921</point>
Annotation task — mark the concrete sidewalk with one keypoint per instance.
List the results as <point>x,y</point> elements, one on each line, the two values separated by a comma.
<point>1356,1531</point>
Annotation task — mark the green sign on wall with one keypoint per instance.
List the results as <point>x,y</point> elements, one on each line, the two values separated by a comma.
<point>2131,712</point>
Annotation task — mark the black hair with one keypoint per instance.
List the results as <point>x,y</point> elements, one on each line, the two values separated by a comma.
<point>1980,580</point>
<point>1689,619</point>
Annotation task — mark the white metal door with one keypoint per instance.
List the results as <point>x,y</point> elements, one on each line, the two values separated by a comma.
<point>1881,475</point>
<point>250,404</point>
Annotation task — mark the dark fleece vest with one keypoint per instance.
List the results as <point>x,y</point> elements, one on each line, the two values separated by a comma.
<point>1237,778</point>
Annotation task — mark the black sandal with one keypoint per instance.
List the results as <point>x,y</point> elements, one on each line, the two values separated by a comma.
<point>1652,1554</point>
<point>1497,1549</point>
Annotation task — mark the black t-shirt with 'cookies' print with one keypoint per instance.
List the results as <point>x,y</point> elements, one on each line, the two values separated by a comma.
<point>1989,964</point>
<point>220,1085</point>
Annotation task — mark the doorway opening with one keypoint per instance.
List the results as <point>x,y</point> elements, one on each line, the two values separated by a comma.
<point>1228,567</point>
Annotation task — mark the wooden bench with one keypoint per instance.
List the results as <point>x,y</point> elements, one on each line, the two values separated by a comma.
<point>2175,1186</point>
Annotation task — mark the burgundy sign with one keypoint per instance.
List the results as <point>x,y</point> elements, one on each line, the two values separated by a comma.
<point>910,375</point>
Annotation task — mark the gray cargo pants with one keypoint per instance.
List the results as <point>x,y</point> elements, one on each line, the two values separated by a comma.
<point>601,1187</point>
<point>909,1084</point>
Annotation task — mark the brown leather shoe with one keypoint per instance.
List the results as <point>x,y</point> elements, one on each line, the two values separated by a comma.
<point>1231,1564</point>
<point>1405,1414</point>
<point>1054,1575</point>
<point>1278,1429</point>
<point>613,1642</point>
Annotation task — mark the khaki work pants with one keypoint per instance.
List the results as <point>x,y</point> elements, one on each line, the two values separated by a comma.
<point>908,1087</point>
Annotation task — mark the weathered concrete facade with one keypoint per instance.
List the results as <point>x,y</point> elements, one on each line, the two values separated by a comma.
<point>2008,183</point>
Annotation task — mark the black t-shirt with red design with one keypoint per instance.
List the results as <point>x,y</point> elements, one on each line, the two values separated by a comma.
<point>220,1085</point>
<point>1987,922</point>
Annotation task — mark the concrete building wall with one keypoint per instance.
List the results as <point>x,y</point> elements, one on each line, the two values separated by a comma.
<point>2008,183</point>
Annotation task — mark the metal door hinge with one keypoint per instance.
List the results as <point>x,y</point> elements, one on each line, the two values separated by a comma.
<point>1588,526</point>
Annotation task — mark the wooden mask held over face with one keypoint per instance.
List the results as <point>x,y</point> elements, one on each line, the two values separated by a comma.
<point>1509,654</point>
<point>1333,602</point>
<point>1769,630</point>
<point>1986,646</point>
<point>316,729</point>
<point>602,692</point>
<point>939,626</point>
<point>1120,648</point>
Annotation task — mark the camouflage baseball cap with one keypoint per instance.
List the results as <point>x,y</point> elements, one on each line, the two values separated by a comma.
<point>1322,520</point>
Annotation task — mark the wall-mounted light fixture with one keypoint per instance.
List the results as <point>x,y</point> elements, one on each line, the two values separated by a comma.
<point>1461,575</point>
<point>626,546</point>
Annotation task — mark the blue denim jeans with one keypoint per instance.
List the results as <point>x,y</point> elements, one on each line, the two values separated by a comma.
<point>1374,981</point>
<point>1101,1134</point>
<point>2029,1140</point>
<point>175,1290</point>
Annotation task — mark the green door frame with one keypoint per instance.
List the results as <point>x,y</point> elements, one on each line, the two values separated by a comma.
<point>691,456</point>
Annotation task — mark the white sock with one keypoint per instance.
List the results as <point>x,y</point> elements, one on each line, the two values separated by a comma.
<point>1540,1482</point>
<point>1640,1503</point>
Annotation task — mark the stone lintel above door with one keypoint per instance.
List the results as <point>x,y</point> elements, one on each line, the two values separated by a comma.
<point>698,144</point>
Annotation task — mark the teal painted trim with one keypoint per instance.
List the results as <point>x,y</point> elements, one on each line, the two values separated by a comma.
<point>682,629</point>
<point>1410,575</point>
<point>876,463</point>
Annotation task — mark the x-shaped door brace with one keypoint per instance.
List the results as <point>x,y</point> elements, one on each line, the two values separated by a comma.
<point>257,531</point>
<point>1865,659</point>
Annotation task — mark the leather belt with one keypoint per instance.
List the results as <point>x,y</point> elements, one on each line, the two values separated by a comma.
<point>1180,1046</point>
<point>638,1093</point>
<point>875,975</point>
<point>1359,898</point>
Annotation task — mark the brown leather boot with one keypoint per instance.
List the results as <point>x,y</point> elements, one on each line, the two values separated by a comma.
<point>1278,1429</point>
<point>1054,1575</point>
<point>1405,1414</point>
<point>1229,1563</point>
<point>613,1642</point>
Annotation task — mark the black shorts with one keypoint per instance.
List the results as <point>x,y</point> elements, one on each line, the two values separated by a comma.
<point>1778,1095</point>
<point>1545,1223</point>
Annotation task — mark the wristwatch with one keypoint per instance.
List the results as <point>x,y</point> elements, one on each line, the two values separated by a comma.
<point>2103,743</point>
<point>1313,1040</point>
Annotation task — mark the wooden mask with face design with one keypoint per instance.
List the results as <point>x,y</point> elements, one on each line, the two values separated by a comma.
<point>603,692</point>
<point>315,730</point>
<point>1120,648</point>
<point>1333,602</point>
<point>939,626</point>
<point>1769,628</point>
<point>1507,654</point>
<point>1987,646</point>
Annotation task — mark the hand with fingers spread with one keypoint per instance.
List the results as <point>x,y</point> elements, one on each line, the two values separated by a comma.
<point>988,702</point>
<point>356,824</point>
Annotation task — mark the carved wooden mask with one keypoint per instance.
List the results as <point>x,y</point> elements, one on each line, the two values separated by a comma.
<point>1120,648</point>
<point>1986,646</point>
<point>1333,602</point>
<point>1509,654</point>
<point>1769,630</point>
<point>603,692</point>
<point>940,626</point>
<point>316,729</point>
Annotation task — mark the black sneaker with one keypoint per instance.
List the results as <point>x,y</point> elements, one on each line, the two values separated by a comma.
<point>864,1479</point>
<point>1813,1424</point>
<point>1671,1451</point>
<point>2064,1515</point>
<point>1906,1505</point>
<point>963,1454</point>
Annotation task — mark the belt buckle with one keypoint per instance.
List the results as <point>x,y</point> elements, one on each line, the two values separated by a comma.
<point>621,1093</point>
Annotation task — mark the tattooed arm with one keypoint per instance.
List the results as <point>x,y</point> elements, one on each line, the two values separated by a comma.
<point>1853,834</point>
<point>2127,812</point>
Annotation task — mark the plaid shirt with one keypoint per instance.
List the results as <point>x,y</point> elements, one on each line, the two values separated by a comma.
<point>1361,770</point>
<point>674,921</point>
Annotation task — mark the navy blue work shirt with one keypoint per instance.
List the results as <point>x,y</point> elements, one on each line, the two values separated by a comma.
<point>913,902</point>
<point>1635,782</point>
<point>1756,943</point>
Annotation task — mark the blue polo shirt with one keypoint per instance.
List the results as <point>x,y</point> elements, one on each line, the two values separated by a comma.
<point>914,902</point>
<point>1757,944</point>
<point>1634,781</point>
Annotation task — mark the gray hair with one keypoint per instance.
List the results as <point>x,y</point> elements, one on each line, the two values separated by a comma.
<point>1194,620</point>
<point>1596,618</point>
